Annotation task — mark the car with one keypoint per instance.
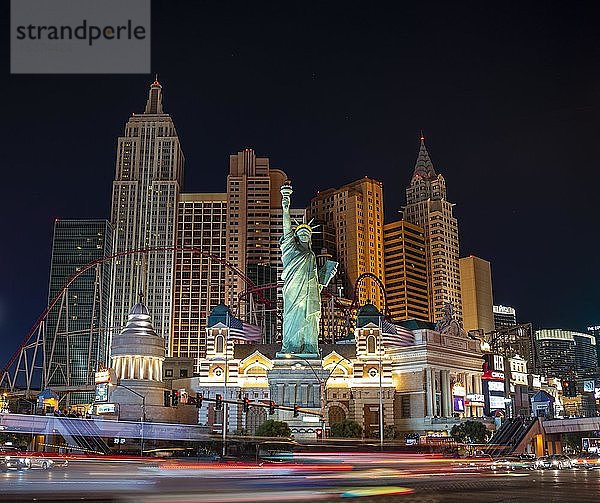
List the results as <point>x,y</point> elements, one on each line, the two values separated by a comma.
<point>14,461</point>
<point>586,461</point>
<point>512,463</point>
<point>553,462</point>
<point>39,462</point>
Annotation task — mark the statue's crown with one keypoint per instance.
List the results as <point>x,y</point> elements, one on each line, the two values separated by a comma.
<point>304,225</point>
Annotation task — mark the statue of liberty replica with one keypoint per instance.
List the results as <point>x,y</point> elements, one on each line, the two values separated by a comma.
<point>302,285</point>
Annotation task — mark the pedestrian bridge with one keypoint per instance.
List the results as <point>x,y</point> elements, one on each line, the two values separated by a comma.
<point>106,428</point>
<point>552,426</point>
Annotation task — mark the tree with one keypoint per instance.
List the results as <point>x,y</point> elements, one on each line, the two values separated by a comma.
<point>272,428</point>
<point>346,429</point>
<point>389,432</point>
<point>470,432</point>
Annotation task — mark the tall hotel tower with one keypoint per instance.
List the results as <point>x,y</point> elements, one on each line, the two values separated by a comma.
<point>149,174</point>
<point>253,230</point>
<point>428,208</point>
<point>76,342</point>
<point>355,213</point>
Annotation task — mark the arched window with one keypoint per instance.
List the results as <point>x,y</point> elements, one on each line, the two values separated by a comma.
<point>336,414</point>
<point>254,418</point>
<point>371,344</point>
<point>219,343</point>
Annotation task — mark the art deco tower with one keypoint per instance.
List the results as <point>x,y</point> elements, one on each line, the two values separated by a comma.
<point>428,208</point>
<point>149,174</point>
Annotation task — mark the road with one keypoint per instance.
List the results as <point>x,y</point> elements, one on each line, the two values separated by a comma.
<point>414,481</point>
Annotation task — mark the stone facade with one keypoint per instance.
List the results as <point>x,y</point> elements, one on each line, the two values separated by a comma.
<point>425,383</point>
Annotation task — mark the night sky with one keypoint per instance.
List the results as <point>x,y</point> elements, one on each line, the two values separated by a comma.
<point>507,94</point>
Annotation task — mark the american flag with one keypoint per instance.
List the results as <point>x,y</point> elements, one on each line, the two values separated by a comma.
<point>396,336</point>
<point>245,332</point>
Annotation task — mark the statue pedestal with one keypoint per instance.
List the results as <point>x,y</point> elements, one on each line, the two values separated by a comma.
<point>295,381</point>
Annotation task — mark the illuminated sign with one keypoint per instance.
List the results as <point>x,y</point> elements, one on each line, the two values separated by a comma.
<point>496,402</point>
<point>594,328</point>
<point>588,386</point>
<point>475,398</point>
<point>492,374</point>
<point>459,404</point>
<point>102,376</point>
<point>496,386</point>
<point>107,408</point>
<point>458,390</point>
<point>310,419</point>
<point>102,392</point>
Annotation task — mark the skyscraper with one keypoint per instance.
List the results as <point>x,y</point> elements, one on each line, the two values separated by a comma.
<point>149,174</point>
<point>504,317</point>
<point>428,207</point>
<point>355,211</point>
<point>253,199</point>
<point>199,280</point>
<point>406,271</point>
<point>476,292</point>
<point>76,339</point>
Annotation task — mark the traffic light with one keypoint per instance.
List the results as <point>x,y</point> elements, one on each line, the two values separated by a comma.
<point>296,410</point>
<point>319,433</point>
<point>174,397</point>
<point>271,408</point>
<point>167,398</point>
<point>569,388</point>
<point>199,398</point>
<point>218,402</point>
<point>246,404</point>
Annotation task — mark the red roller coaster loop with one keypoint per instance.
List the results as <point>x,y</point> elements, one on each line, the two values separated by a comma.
<point>194,251</point>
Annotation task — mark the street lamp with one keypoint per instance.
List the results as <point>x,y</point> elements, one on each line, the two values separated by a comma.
<point>322,384</point>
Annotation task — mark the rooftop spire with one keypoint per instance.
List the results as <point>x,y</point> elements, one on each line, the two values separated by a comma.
<point>154,103</point>
<point>424,166</point>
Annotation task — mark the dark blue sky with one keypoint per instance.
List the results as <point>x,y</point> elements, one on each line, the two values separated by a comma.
<point>508,95</point>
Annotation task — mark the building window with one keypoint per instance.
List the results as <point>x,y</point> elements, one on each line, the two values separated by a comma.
<point>405,406</point>
<point>219,343</point>
<point>183,373</point>
<point>168,372</point>
<point>371,344</point>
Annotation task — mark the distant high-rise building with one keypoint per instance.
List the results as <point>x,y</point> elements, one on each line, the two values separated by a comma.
<point>200,281</point>
<point>428,208</point>
<point>585,351</point>
<point>253,198</point>
<point>504,317</point>
<point>555,350</point>
<point>149,174</point>
<point>355,212</point>
<point>406,271</point>
<point>79,322</point>
<point>476,292</point>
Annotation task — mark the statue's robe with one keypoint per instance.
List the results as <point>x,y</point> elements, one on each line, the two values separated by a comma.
<point>301,297</point>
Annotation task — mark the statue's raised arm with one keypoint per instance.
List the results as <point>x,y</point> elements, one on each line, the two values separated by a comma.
<point>286,192</point>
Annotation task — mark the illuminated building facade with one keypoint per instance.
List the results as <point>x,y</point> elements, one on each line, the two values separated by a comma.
<point>406,271</point>
<point>355,212</point>
<point>476,292</point>
<point>504,317</point>
<point>149,174</point>
<point>430,382</point>
<point>200,281</point>
<point>253,199</point>
<point>85,307</point>
<point>428,207</point>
